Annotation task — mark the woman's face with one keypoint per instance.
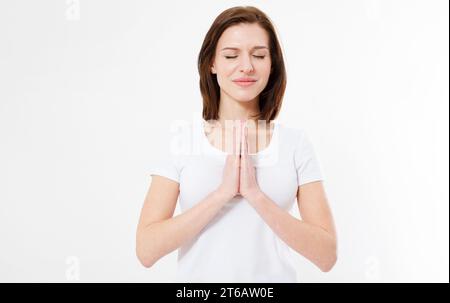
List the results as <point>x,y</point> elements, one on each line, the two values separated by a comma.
<point>242,52</point>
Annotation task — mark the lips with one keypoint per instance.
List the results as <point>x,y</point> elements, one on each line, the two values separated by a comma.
<point>244,82</point>
<point>245,79</point>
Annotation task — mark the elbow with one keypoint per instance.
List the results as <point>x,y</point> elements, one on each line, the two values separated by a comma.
<point>143,255</point>
<point>328,266</point>
<point>145,261</point>
<point>330,259</point>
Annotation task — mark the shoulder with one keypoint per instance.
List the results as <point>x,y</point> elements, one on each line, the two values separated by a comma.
<point>289,134</point>
<point>187,139</point>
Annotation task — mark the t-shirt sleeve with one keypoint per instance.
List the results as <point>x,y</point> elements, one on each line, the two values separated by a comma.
<point>306,162</point>
<point>166,166</point>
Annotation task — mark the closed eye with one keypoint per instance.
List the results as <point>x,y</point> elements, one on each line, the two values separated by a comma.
<point>233,57</point>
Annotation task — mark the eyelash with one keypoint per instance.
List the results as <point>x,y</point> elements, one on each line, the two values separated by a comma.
<point>233,57</point>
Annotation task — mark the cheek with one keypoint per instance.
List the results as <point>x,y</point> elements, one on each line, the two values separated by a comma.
<point>228,68</point>
<point>224,74</point>
<point>265,68</point>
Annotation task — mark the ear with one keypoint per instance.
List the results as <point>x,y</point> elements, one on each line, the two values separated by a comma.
<point>213,70</point>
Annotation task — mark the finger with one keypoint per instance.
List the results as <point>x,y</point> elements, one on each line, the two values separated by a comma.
<point>237,146</point>
<point>230,161</point>
<point>237,141</point>
<point>244,144</point>
<point>241,138</point>
<point>246,140</point>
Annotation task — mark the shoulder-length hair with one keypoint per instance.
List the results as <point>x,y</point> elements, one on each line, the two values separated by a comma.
<point>271,97</point>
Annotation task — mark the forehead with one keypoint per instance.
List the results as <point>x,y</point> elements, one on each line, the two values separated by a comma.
<point>243,36</point>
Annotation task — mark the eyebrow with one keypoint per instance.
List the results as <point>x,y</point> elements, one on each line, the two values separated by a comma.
<point>255,47</point>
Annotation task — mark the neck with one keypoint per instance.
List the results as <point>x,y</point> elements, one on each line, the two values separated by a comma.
<point>230,109</point>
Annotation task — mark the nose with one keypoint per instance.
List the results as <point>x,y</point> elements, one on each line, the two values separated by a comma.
<point>246,64</point>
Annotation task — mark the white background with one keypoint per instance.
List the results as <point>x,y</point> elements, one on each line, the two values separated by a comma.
<point>88,90</point>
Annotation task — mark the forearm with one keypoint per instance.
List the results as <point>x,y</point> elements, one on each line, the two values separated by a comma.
<point>160,238</point>
<point>311,241</point>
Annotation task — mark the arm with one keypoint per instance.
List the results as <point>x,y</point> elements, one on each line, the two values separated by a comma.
<point>158,233</point>
<point>314,236</point>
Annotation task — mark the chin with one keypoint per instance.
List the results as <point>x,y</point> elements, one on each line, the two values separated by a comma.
<point>245,97</point>
<point>244,100</point>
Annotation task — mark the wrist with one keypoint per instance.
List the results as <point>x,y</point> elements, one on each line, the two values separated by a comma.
<point>223,195</point>
<point>253,195</point>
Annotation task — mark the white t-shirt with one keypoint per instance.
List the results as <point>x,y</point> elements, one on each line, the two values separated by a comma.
<point>237,245</point>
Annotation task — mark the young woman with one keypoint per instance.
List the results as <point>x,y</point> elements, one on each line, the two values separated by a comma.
<point>235,224</point>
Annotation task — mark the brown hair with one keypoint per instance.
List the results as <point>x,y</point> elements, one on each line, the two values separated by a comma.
<point>271,97</point>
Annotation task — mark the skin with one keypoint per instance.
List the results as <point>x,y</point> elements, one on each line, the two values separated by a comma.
<point>242,51</point>
<point>159,233</point>
<point>238,103</point>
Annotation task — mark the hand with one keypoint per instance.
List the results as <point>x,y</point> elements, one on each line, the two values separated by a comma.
<point>248,186</point>
<point>230,179</point>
